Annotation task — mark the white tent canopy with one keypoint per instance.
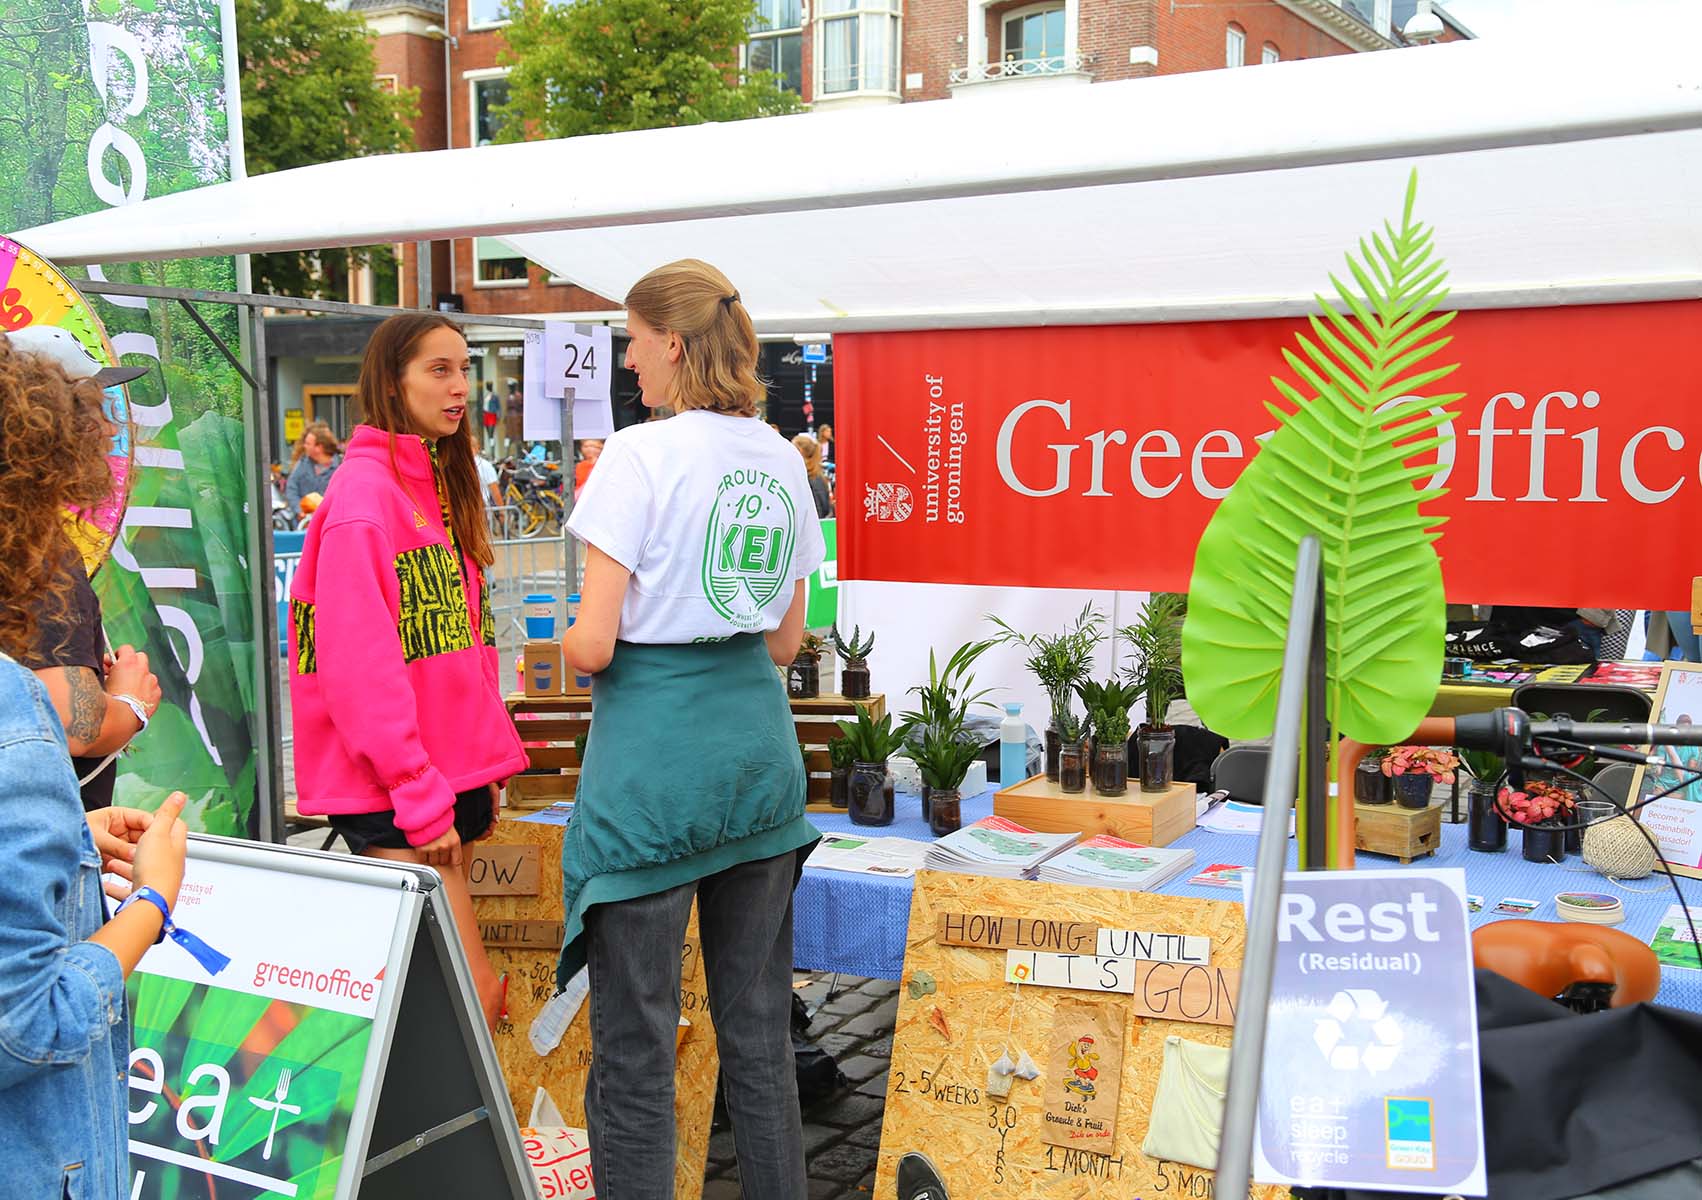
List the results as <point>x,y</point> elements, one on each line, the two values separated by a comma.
<point>1559,176</point>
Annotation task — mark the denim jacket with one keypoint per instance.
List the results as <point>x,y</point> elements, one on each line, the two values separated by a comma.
<point>64,1028</point>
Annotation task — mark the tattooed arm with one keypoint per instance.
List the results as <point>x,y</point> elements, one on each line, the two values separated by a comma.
<point>95,724</point>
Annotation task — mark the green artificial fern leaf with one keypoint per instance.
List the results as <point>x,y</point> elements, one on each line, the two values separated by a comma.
<point>1337,467</point>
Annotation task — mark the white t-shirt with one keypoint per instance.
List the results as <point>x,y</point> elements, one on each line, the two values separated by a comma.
<point>487,476</point>
<point>713,516</point>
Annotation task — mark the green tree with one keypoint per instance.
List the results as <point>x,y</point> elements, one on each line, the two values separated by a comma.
<point>602,66</point>
<point>310,94</point>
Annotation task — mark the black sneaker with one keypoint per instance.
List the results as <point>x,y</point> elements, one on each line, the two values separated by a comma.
<point>917,1179</point>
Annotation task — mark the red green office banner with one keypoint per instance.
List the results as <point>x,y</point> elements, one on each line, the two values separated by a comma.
<point>107,103</point>
<point>1093,456</point>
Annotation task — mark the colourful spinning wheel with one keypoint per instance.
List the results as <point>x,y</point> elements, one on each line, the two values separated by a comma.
<point>33,293</point>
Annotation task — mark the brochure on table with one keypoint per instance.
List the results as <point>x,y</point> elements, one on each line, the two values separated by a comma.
<point>1675,820</point>
<point>1371,1054</point>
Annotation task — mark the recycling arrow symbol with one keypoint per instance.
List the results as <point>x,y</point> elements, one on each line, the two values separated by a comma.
<point>1377,1040</point>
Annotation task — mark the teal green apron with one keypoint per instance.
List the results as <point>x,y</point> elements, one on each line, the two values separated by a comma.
<point>692,766</point>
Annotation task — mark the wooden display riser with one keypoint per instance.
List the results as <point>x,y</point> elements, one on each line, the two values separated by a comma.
<point>1403,833</point>
<point>1150,818</point>
<point>531,982</point>
<point>554,721</point>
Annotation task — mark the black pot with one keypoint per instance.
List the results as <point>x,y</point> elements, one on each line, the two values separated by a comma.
<point>1486,829</point>
<point>870,800</point>
<point>854,681</point>
<point>1370,785</point>
<point>1072,767</point>
<point>839,787</point>
<point>803,677</point>
<point>1054,745</point>
<point>945,812</point>
<point>1413,789</point>
<point>1111,769</point>
<point>1544,844</point>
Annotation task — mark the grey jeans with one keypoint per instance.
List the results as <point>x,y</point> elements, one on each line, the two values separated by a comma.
<point>745,924</point>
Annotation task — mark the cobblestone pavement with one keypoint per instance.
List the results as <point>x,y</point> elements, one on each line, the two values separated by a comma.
<point>843,1132</point>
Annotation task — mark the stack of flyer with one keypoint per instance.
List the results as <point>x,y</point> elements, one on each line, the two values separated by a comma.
<point>997,847</point>
<point>1110,862</point>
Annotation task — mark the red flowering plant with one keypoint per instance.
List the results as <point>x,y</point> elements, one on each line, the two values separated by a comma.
<point>1540,804</point>
<point>1434,761</point>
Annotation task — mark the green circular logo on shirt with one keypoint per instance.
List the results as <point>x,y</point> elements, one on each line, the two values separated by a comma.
<point>747,549</point>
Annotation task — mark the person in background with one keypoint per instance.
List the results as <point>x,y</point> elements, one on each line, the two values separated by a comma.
<point>489,481</point>
<point>54,438</point>
<point>670,622</point>
<point>401,735</point>
<point>589,449</point>
<point>319,460</point>
<point>490,412</point>
<point>824,435</point>
<point>811,450</point>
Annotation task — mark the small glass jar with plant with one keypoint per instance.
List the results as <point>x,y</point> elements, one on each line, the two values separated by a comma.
<point>1486,828</point>
<point>803,677</point>
<point>1370,785</point>
<point>870,790</point>
<point>1072,754</point>
<point>1058,663</point>
<point>1155,672</point>
<point>943,755</point>
<point>1107,707</point>
<point>1414,772</point>
<point>943,703</point>
<point>854,652</point>
<point>839,776</point>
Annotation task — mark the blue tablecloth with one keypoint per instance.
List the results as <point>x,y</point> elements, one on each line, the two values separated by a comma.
<point>856,924</point>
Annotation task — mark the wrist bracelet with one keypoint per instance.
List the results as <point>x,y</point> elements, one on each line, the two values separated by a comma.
<point>211,959</point>
<point>135,706</point>
<point>157,900</point>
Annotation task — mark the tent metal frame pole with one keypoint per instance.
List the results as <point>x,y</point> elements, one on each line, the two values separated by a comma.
<point>1247,1051</point>
<point>268,690</point>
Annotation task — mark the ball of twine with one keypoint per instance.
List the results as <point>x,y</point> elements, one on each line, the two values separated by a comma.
<point>1618,850</point>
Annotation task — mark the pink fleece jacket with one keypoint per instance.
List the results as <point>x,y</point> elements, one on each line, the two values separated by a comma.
<point>394,678</point>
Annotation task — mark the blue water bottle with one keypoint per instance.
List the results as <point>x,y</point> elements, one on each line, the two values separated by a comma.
<point>1013,747</point>
<point>579,680</point>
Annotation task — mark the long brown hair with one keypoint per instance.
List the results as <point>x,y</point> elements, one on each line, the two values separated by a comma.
<point>718,346</point>
<point>53,445</point>
<point>378,399</point>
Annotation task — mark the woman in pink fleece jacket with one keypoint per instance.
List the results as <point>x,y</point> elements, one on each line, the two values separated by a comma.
<point>401,736</point>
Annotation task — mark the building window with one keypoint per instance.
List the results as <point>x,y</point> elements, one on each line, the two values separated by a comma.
<point>1269,54</point>
<point>777,42</point>
<point>1235,47</point>
<point>858,46</point>
<point>487,95</point>
<point>495,264</point>
<point>482,14</point>
<point>1033,40</point>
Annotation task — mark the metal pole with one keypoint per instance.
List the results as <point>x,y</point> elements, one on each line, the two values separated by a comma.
<point>422,273</point>
<point>1246,1053</point>
<point>268,696</point>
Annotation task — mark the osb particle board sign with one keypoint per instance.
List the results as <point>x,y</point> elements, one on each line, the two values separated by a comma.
<point>1053,1136</point>
<point>522,935</point>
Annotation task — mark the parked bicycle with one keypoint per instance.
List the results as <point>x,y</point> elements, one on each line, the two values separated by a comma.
<point>533,492</point>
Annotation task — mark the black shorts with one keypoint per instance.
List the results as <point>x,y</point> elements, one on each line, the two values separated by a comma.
<point>473,819</point>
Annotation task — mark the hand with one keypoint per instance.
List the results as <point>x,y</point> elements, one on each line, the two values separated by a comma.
<point>129,675</point>
<point>116,832</point>
<point>161,849</point>
<point>444,852</point>
<point>496,800</point>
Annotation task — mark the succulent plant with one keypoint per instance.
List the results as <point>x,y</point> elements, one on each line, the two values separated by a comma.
<point>855,651</point>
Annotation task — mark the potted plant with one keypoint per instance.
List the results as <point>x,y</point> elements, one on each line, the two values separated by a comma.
<point>944,701</point>
<point>854,677</point>
<point>803,677</point>
<point>1370,785</point>
<point>1414,771</point>
<point>869,795</point>
<point>1072,754</point>
<point>943,754</point>
<point>1542,811</point>
<point>1059,663</point>
<point>839,779</point>
<point>1486,828</point>
<point>1155,641</point>
<point>1107,707</point>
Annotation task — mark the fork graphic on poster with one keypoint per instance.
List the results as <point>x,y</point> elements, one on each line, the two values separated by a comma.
<point>275,1106</point>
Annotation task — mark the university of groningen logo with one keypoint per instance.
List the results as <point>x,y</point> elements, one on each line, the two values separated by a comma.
<point>747,549</point>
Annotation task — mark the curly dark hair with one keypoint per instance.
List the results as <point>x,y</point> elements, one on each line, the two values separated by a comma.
<point>53,444</point>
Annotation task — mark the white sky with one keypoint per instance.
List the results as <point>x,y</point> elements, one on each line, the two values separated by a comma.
<point>1563,18</point>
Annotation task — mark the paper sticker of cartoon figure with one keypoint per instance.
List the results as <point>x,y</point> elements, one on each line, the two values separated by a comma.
<point>1082,1059</point>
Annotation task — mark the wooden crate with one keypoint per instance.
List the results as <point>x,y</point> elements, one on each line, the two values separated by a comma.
<point>815,720</point>
<point>1152,819</point>
<point>1403,833</point>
